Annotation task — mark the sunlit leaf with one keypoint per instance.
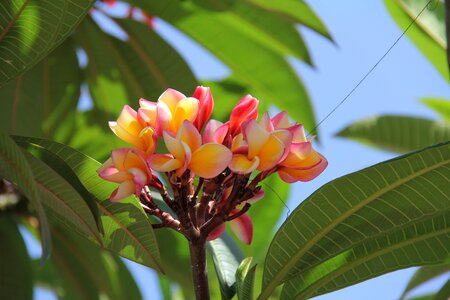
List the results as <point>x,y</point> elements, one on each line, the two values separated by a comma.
<point>227,256</point>
<point>43,101</point>
<point>273,81</point>
<point>383,218</point>
<point>16,279</point>
<point>127,230</point>
<point>297,11</point>
<point>61,201</point>
<point>427,33</point>
<point>30,29</point>
<point>245,280</point>
<point>14,167</point>
<point>143,67</point>
<point>425,274</point>
<point>441,106</point>
<point>398,133</point>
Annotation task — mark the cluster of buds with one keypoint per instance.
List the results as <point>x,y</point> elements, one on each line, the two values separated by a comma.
<point>212,169</point>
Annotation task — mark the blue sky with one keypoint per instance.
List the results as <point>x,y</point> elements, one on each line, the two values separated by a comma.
<point>363,31</point>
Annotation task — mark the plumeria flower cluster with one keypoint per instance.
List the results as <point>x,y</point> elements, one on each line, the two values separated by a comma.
<point>212,169</point>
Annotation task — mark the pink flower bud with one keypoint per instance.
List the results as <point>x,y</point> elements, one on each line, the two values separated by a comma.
<point>246,109</point>
<point>206,106</point>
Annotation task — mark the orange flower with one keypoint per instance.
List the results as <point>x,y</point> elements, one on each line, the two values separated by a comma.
<point>245,109</point>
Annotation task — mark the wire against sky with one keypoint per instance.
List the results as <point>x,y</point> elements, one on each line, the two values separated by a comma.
<point>371,69</point>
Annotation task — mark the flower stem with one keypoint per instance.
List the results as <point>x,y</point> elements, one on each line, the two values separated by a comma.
<point>197,250</point>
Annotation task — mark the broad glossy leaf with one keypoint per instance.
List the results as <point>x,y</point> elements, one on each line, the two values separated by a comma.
<point>14,167</point>
<point>426,32</point>
<point>398,133</point>
<point>242,49</point>
<point>127,230</point>
<point>379,219</point>
<point>43,101</point>
<point>63,204</point>
<point>245,280</point>
<point>227,256</point>
<point>143,67</point>
<point>441,106</point>
<point>30,29</point>
<point>16,279</point>
<point>296,11</point>
<point>80,269</point>
<point>425,274</point>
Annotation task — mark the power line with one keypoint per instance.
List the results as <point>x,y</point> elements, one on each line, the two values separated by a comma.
<point>370,70</point>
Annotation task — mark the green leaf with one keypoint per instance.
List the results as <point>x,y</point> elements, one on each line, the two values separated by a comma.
<point>441,106</point>
<point>426,32</point>
<point>425,274</point>
<point>241,48</point>
<point>383,218</point>
<point>296,11</point>
<point>143,67</point>
<point>81,270</point>
<point>14,167</point>
<point>42,101</point>
<point>16,277</point>
<point>397,133</point>
<point>265,214</point>
<point>245,280</point>
<point>227,256</point>
<point>443,293</point>
<point>62,202</point>
<point>127,230</point>
<point>30,29</point>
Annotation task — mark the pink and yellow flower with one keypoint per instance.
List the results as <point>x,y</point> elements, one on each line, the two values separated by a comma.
<point>258,148</point>
<point>127,167</point>
<point>187,152</point>
<point>172,109</point>
<point>129,129</point>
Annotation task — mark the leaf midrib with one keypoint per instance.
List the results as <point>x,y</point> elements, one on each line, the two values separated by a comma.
<point>282,273</point>
<point>124,228</point>
<point>69,208</point>
<point>310,289</point>
<point>13,20</point>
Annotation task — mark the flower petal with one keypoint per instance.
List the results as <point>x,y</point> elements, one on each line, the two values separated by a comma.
<point>174,146</point>
<point>128,120</point>
<point>240,164</point>
<point>271,153</point>
<point>206,105</point>
<point>114,175</point>
<point>210,160</point>
<point>245,109</point>
<point>243,228</point>
<point>171,98</point>
<point>147,113</point>
<point>258,196</point>
<point>215,132</point>
<point>298,153</point>
<point>186,109</point>
<point>134,159</point>
<point>256,137</point>
<point>125,135</point>
<point>217,232</point>
<point>118,157</point>
<point>164,162</point>
<point>124,190</point>
<point>188,134</point>
<point>308,173</point>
